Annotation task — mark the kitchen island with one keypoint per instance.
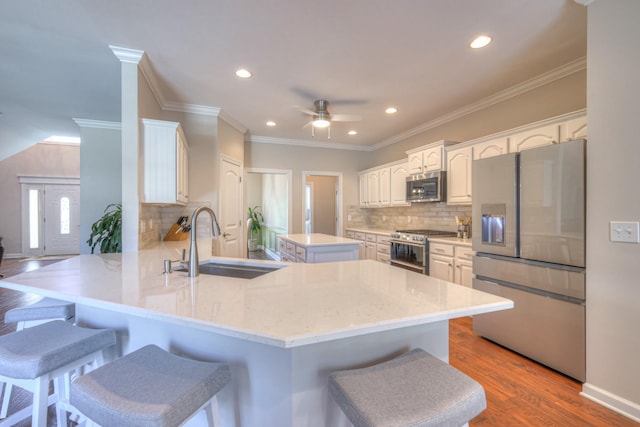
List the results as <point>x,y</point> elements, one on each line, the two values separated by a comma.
<point>282,333</point>
<point>316,247</point>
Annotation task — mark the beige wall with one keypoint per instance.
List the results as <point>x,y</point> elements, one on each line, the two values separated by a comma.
<point>613,155</point>
<point>42,160</point>
<point>324,203</point>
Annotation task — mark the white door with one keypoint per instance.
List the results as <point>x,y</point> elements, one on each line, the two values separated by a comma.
<point>51,218</point>
<point>231,211</point>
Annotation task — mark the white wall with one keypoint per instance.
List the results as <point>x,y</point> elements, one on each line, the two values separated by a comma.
<point>100,175</point>
<point>50,160</point>
<point>613,158</point>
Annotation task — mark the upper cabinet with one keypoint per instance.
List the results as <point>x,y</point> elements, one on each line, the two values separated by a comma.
<point>427,158</point>
<point>399,174</point>
<point>574,129</point>
<point>165,163</point>
<point>459,161</point>
<point>494,147</point>
<point>363,189</point>
<point>537,137</point>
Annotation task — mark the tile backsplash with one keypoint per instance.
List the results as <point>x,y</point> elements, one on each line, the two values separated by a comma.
<point>434,216</point>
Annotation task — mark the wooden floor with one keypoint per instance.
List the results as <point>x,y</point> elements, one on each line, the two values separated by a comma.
<point>519,391</point>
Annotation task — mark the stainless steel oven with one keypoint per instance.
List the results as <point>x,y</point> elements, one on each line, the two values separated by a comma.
<point>410,249</point>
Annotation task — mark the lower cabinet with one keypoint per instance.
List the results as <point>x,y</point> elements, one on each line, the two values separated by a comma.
<point>451,262</point>
<point>376,246</point>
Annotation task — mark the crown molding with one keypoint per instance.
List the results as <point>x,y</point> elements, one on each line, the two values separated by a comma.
<point>97,124</point>
<point>191,108</point>
<point>541,80</point>
<point>307,143</point>
<point>232,122</point>
<point>124,54</point>
<point>585,2</point>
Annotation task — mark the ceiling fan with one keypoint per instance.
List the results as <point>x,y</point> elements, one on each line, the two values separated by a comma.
<point>321,118</point>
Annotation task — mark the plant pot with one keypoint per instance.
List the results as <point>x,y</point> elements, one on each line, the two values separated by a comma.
<point>253,245</point>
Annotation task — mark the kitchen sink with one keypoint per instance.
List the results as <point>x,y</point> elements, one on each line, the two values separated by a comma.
<point>241,271</point>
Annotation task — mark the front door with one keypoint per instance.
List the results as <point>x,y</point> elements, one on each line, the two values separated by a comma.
<point>231,212</point>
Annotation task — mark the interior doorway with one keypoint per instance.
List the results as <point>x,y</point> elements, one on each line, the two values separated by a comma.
<point>270,190</point>
<point>322,202</point>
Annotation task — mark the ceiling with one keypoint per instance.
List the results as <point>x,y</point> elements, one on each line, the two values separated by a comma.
<point>360,55</point>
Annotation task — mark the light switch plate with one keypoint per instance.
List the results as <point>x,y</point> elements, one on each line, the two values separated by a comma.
<point>625,231</point>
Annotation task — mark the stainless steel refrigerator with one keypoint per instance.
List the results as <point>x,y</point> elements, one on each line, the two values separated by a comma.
<point>529,216</point>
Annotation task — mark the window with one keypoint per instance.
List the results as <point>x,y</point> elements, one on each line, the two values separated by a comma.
<point>65,215</point>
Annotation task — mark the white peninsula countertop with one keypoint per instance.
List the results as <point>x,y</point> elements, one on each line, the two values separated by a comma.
<point>281,333</point>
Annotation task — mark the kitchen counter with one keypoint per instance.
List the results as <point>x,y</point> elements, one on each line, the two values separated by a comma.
<point>316,248</point>
<point>281,332</point>
<point>317,239</point>
<point>451,241</point>
<point>380,231</point>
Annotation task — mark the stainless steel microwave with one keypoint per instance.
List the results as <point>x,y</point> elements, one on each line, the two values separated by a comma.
<point>426,187</point>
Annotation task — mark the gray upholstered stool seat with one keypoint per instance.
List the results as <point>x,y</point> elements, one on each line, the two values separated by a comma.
<point>30,358</point>
<point>149,387</point>
<point>45,309</point>
<point>414,389</point>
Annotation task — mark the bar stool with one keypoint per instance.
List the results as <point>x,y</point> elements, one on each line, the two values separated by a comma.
<point>414,389</point>
<point>149,388</point>
<point>32,357</point>
<point>45,310</point>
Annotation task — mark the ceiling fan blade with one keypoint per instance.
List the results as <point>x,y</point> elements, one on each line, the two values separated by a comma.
<point>308,124</point>
<point>305,110</point>
<point>346,117</point>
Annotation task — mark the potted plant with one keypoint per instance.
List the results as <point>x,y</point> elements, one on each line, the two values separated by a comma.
<point>107,231</point>
<point>254,224</point>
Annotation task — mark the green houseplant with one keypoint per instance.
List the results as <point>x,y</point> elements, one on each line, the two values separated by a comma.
<point>254,223</point>
<point>107,231</point>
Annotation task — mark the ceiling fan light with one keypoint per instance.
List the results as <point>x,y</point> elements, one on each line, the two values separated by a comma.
<point>480,42</point>
<point>321,123</point>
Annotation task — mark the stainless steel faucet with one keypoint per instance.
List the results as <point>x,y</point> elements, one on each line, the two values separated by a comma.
<point>194,268</point>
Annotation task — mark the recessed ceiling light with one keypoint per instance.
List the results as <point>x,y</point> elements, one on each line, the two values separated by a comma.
<point>271,123</point>
<point>353,132</point>
<point>480,41</point>
<point>243,73</point>
<point>391,110</point>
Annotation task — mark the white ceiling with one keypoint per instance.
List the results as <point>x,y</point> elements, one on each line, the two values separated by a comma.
<point>360,55</point>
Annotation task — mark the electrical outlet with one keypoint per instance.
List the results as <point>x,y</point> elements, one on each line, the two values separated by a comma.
<point>625,231</point>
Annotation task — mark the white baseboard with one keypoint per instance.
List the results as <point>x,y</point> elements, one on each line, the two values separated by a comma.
<point>13,256</point>
<point>609,400</point>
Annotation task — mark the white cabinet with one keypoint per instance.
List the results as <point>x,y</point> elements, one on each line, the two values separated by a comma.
<point>373,188</point>
<point>383,248</point>
<point>574,129</point>
<point>371,250</point>
<point>363,185</point>
<point>441,261</point>
<point>451,262</point>
<point>398,174</point>
<point>427,158</point>
<point>463,266</point>
<point>536,137</point>
<point>459,175</point>
<point>384,186</point>
<point>491,148</point>
<point>165,162</point>
<point>303,248</point>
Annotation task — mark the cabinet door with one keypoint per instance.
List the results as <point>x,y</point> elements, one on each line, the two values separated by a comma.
<point>363,184</point>
<point>415,162</point>
<point>459,176</point>
<point>371,250</point>
<point>441,267</point>
<point>432,159</point>
<point>491,148</point>
<point>385,186</point>
<point>399,185</point>
<point>183,169</point>
<point>574,129</point>
<point>464,273</point>
<point>538,137</point>
<point>373,188</point>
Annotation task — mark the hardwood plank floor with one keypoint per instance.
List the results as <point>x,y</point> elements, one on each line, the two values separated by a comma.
<point>520,392</point>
